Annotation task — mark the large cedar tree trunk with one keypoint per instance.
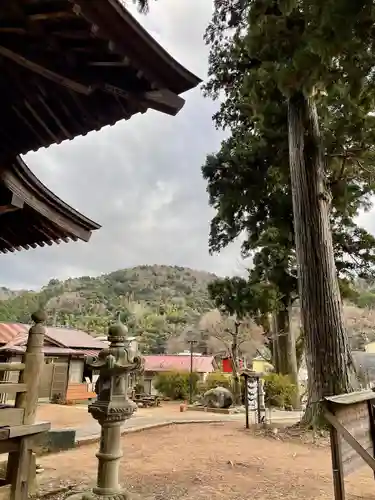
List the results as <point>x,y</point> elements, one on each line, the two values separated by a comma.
<point>329,361</point>
<point>267,323</point>
<point>287,351</point>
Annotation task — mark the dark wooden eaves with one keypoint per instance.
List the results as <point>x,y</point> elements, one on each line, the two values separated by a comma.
<point>31,215</point>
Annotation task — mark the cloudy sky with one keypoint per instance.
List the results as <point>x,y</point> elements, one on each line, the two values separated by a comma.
<point>141,179</point>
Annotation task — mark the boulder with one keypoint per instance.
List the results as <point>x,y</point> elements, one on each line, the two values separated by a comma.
<point>219,397</point>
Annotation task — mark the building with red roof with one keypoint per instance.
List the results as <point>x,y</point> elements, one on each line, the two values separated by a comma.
<point>155,364</point>
<point>65,350</point>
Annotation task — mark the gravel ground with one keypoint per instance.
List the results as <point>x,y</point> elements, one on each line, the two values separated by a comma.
<point>218,461</point>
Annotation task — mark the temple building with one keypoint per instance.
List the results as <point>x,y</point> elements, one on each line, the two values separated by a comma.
<point>69,67</point>
<point>31,215</point>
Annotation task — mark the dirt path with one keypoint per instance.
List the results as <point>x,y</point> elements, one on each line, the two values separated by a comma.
<point>62,417</point>
<point>216,461</point>
<point>77,417</point>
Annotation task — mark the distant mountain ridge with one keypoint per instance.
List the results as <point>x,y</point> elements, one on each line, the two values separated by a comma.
<point>7,293</point>
<point>158,301</point>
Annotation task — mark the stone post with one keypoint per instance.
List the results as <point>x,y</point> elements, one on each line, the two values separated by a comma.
<point>111,408</point>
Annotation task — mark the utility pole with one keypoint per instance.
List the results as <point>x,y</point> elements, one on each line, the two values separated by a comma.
<point>191,343</point>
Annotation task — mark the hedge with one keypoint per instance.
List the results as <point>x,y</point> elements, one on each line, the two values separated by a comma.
<point>176,385</point>
<point>279,390</point>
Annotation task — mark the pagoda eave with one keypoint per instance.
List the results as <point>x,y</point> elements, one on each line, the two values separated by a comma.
<point>73,66</point>
<point>31,215</point>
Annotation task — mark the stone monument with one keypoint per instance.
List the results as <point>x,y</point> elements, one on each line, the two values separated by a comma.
<point>111,408</point>
<point>218,397</point>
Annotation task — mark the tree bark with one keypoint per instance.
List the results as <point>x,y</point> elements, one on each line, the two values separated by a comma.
<point>282,332</point>
<point>329,361</point>
<point>275,344</point>
<point>287,351</point>
<point>236,368</point>
<point>265,321</point>
<point>300,348</point>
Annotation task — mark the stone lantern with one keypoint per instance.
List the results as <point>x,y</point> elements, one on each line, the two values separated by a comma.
<point>111,408</point>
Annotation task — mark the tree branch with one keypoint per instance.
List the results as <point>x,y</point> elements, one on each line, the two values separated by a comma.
<point>222,341</point>
<point>263,357</point>
<point>364,168</point>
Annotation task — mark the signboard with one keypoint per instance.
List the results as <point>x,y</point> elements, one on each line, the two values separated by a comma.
<point>254,396</point>
<point>356,420</point>
<point>352,435</point>
<point>252,393</point>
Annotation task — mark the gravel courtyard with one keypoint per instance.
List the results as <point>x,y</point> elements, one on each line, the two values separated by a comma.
<point>218,461</point>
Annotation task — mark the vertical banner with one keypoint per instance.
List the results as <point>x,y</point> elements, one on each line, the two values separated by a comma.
<point>252,394</point>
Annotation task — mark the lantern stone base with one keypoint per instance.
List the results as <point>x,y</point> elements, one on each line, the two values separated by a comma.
<point>91,495</point>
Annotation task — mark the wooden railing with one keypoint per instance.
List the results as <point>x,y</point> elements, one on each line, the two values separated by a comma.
<point>18,438</point>
<point>13,415</point>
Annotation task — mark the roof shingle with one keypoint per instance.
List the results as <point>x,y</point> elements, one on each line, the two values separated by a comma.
<point>165,363</point>
<point>16,334</point>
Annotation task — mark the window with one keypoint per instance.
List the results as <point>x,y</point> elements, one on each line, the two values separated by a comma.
<point>76,371</point>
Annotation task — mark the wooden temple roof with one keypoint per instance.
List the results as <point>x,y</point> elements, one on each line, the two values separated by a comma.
<point>31,215</point>
<point>69,67</point>
<point>72,66</point>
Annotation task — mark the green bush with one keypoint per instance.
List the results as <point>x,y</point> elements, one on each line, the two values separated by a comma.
<point>279,390</point>
<point>216,379</point>
<point>176,385</point>
<point>219,379</point>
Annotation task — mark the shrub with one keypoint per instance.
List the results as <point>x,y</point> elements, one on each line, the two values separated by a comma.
<point>279,390</point>
<point>218,379</point>
<point>176,385</point>
<point>57,399</point>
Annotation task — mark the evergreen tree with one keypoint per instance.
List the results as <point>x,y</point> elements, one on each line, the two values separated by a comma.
<point>142,5</point>
<point>284,62</point>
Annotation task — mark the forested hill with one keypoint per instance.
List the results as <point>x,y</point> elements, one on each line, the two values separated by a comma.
<point>159,300</point>
<point>158,303</point>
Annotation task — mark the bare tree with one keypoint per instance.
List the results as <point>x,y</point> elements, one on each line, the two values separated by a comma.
<point>176,345</point>
<point>360,325</point>
<point>236,337</point>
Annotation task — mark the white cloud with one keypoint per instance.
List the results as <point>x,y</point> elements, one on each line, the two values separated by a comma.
<point>140,179</point>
